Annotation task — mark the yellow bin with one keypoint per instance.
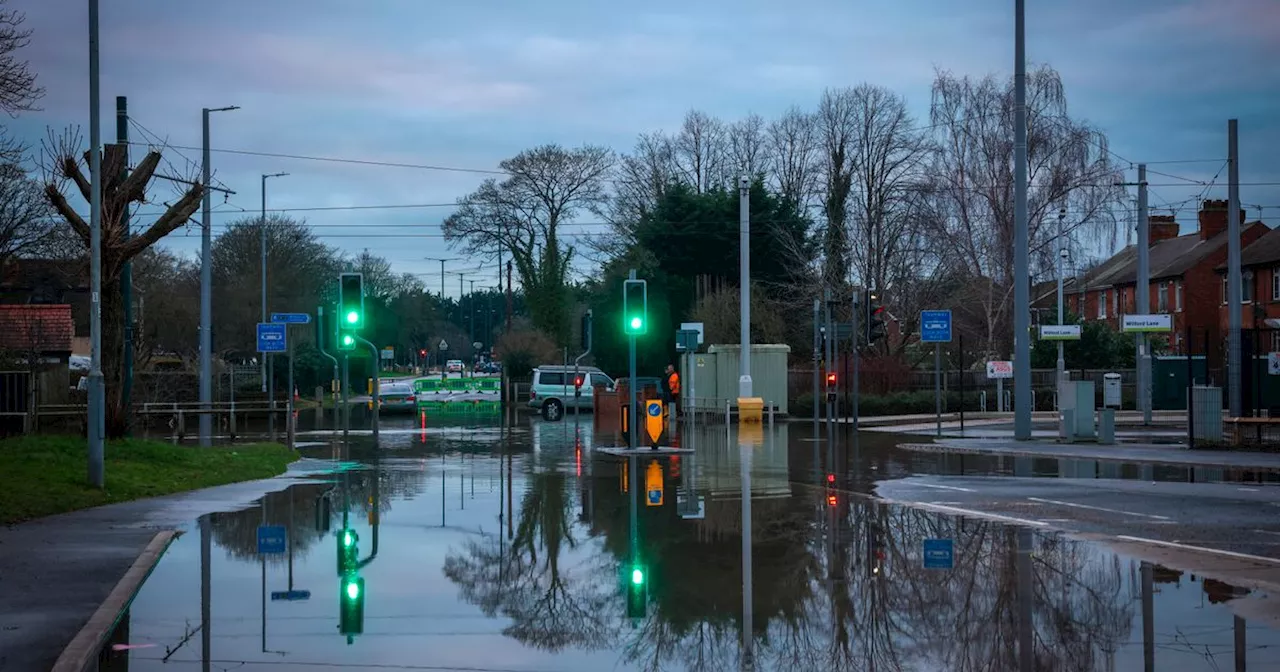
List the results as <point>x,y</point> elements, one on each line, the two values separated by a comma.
<point>750,409</point>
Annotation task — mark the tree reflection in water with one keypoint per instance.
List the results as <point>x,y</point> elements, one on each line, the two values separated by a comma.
<point>551,606</point>
<point>817,602</point>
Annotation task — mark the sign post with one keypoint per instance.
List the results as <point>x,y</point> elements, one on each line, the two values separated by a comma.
<point>286,319</point>
<point>935,328</point>
<point>999,371</point>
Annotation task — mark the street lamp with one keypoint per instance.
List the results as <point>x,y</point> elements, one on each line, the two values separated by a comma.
<point>206,288</point>
<point>442,260</point>
<point>262,226</point>
<point>1062,257</point>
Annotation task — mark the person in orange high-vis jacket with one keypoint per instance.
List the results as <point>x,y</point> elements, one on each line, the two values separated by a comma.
<point>673,388</point>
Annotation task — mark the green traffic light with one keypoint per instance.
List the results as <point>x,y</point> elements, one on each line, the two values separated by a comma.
<point>636,323</point>
<point>348,340</point>
<point>637,576</point>
<point>353,317</point>
<point>353,590</point>
<point>348,538</point>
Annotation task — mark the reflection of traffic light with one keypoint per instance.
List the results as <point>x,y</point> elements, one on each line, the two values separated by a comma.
<point>347,551</point>
<point>831,489</point>
<point>637,592</point>
<point>875,549</point>
<point>875,318</point>
<point>351,605</point>
<point>351,301</point>
<point>635,307</point>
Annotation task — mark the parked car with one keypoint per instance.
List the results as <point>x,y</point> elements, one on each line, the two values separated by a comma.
<point>554,386</point>
<point>397,398</point>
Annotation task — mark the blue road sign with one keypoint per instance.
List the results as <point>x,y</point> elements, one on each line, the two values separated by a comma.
<point>291,595</point>
<point>655,497</point>
<point>290,318</point>
<point>271,539</point>
<point>935,326</point>
<point>271,337</point>
<point>938,554</point>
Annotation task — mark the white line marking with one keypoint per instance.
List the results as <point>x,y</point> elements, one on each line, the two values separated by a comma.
<point>1096,508</point>
<point>1171,544</point>
<point>1247,489</point>
<point>943,487</point>
<point>979,514</point>
<point>1267,532</point>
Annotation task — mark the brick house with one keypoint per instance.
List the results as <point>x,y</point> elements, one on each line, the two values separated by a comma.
<point>37,338</point>
<point>1184,277</point>
<point>1260,289</point>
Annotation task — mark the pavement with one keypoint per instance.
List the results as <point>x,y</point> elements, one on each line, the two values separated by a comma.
<point>1135,452</point>
<point>56,571</point>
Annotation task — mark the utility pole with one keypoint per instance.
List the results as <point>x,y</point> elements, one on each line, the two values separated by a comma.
<point>1062,256</point>
<point>97,408</point>
<point>126,269</point>
<point>744,282</point>
<point>1234,294</point>
<point>441,260</point>
<point>262,249</point>
<point>817,358</point>
<point>509,299</point>
<point>206,287</point>
<point>1144,297</point>
<point>1021,243</point>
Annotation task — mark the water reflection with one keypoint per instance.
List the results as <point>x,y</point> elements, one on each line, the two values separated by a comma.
<point>753,554</point>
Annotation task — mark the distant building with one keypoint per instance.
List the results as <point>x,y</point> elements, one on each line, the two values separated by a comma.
<point>37,338</point>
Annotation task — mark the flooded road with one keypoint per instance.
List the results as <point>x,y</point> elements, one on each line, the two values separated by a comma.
<point>467,545</point>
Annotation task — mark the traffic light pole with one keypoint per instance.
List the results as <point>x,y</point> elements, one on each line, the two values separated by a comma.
<point>320,346</point>
<point>377,405</point>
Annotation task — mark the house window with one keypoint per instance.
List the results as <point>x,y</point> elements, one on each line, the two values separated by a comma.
<point>1246,288</point>
<point>1122,301</point>
<point>1162,298</point>
<point>1102,305</point>
<point>1275,284</point>
<point>1224,291</point>
<point>1177,297</point>
<point>1275,341</point>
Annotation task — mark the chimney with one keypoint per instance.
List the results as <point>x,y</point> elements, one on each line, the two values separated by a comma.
<point>1162,227</point>
<point>1213,218</point>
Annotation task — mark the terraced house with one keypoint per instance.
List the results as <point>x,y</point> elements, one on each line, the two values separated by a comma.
<point>1185,280</point>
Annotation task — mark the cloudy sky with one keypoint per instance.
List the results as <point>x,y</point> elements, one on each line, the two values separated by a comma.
<point>464,85</point>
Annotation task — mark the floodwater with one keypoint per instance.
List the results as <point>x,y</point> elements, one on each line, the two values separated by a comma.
<point>485,547</point>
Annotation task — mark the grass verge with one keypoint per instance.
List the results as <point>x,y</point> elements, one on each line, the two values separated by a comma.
<point>43,475</point>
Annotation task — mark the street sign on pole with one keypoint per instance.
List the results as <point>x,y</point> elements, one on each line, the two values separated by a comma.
<point>291,595</point>
<point>271,539</point>
<point>271,337</point>
<point>935,326</point>
<point>939,554</point>
<point>290,318</point>
<point>388,353</point>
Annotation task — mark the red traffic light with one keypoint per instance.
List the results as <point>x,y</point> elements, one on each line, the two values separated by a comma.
<point>577,382</point>
<point>831,500</point>
<point>423,352</point>
<point>831,379</point>
<point>831,479</point>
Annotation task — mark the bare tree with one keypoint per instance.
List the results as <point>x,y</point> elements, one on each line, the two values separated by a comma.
<point>118,191</point>
<point>793,147</point>
<point>700,151</point>
<point>1068,166</point>
<point>18,89</point>
<point>838,134</point>
<point>522,214</point>
<point>747,149</point>
<point>25,217</point>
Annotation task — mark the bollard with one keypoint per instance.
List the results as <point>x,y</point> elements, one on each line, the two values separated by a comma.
<point>728,416</point>
<point>770,416</point>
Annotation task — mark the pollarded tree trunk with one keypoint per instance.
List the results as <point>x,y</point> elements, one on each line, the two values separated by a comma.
<point>118,191</point>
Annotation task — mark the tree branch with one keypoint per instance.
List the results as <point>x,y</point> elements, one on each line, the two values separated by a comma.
<point>59,203</point>
<point>175,216</point>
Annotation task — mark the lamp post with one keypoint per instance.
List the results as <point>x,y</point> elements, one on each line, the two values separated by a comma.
<point>206,287</point>
<point>1062,257</point>
<point>263,249</point>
